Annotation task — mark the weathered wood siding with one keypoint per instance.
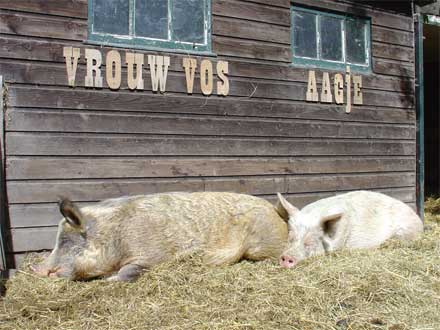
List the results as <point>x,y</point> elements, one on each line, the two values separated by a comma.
<point>93,144</point>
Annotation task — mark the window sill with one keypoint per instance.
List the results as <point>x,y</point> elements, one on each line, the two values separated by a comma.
<point>331,66</point>
<point>133,47</point>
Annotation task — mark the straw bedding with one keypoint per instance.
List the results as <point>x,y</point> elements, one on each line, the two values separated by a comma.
<point>395,287</point>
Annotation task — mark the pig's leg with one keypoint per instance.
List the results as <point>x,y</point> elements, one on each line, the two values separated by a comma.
<point>127,273</point>
<point>225,255</point>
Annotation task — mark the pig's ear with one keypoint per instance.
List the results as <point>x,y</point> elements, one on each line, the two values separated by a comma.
<point>71,213</point>
<point>284,208</point>
<point>330,221</point>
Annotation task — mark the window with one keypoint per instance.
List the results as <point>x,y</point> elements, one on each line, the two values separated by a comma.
<point>152,24</point>
<point>330,41</point>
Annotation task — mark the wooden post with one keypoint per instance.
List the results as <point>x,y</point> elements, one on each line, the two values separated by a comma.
<point>420,111</point>
<point>3,213</point>
<point>348,85</point>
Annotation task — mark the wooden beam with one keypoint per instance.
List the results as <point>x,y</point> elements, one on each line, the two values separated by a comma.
<point>3,213</point>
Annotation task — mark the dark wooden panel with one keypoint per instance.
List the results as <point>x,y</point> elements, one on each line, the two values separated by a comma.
<point>294,91</point>
<point>378,17</point>
<point>392,36</point>
<point>80,168</point>
<point>73,8</point>
<point>39,26</point>
<point>70,29</point>
<point>292,73</point>
<point>251,49</point>
<point>393,52</point>
<point>55,74</point>
<point>406,195</point>
<point>148,102</point>
<point>250,30</point>
<point>33,239</point>
<point>278,3</point>
<point>251,11</point>
<point>88,122</point>
<point>33,49</point>
<point>35,215</point>
<point>393,68</point>
<point>111,145</point>
<point>86,190</point>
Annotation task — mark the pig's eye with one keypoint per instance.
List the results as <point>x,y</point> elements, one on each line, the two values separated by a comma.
<point>308,242</point>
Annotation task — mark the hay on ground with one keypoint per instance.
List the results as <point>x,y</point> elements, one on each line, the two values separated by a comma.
<point>395,287</point>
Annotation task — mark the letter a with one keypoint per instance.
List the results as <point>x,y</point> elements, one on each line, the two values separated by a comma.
<point>312,91</point>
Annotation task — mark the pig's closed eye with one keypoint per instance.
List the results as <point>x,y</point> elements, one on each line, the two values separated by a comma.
<point>308,242</point>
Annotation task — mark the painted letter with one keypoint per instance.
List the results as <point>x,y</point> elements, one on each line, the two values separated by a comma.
<point>158,71</point>
<point>190,65</point>
<point>357,89</point>
<point>339,88</point>
<point>132,59</point>
<point>326,93</point>
<point>312,91</point>
<point>72,55</point>
<point>223,85</point>
<point>206,78</point>
<point>94,61</point>
<point>113,58</point>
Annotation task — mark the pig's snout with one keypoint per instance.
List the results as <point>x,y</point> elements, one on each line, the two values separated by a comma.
<point>287,261</point>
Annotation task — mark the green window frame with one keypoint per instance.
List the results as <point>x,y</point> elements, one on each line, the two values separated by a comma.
<point>346,46</point>
<point>133,40</point>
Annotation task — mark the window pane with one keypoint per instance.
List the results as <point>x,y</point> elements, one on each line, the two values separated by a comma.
<point>355,35</point>
<point>304,34</point>
<point>110,16</point>
<point>152,19</point>
<point>189,20</point>
<point>331,38</point>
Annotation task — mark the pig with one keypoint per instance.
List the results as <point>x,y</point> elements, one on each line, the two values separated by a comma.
<point>359,219</point>
<point>118,239</point>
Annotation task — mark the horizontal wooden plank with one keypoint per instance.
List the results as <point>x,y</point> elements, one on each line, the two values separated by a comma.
<point>277,3</point>
<point>393,68</point>
<point>69,8</point>
<point>135,145</point>
<point>225,46</point>
<point>42,26</point>
<point>378,16</point>
<point>25,168</point>
<point>15,71</point>
<point>15,47</point>
<point>25,24</point>
<point>148,102</point>
<point>291,73</point>
<point>390,36</point>
<point>33,239</point>
<point>89,122</point>
<point>223,26</point>
<point>47,214</point>
<point>251,11</point>
<point>87,190</point>
<point>393,52</point>
<point>176,82</point>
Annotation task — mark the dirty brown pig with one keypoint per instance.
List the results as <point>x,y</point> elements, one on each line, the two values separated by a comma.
<point>120,238</point>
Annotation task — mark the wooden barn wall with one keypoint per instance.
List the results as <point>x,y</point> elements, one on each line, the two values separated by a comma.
<point>91,144</point>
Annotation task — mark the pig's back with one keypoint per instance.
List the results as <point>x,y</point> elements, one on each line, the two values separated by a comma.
<point>371,218</point>
<point>382,217</point>
<point>169,223</point>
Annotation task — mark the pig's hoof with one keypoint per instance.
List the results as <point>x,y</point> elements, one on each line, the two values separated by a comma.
<point>113,278</point>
